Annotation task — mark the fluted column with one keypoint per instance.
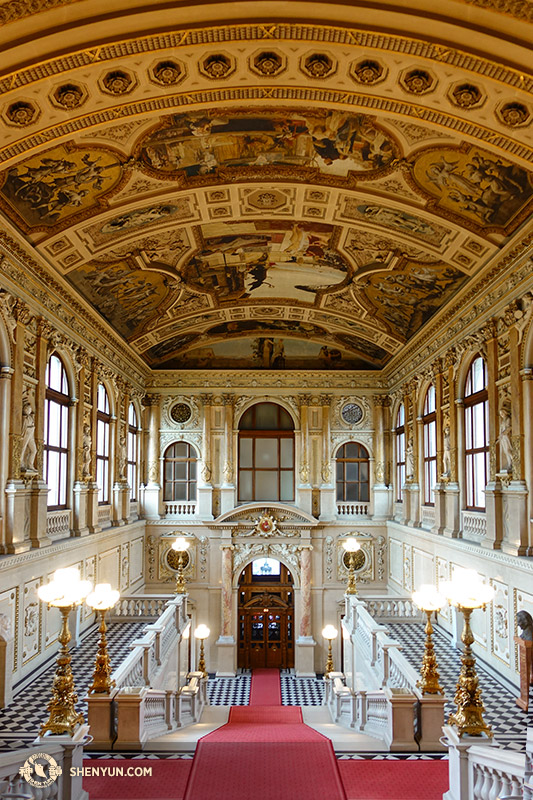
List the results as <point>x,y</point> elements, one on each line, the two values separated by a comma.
<point>6,374</point>
<point>327,489</point>
<point>527,391</point>
<point>493,490</point>
<point>382,496</point>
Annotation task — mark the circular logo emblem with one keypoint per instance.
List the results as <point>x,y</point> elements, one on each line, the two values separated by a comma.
<point>352,413</point>
<point>40,770</point>
<point>181,412</point>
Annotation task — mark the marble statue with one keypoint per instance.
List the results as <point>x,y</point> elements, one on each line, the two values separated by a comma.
<point>524,620</point>
<point>28,447</point>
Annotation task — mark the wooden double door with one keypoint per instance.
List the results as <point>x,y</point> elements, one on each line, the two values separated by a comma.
<point>266,633</point>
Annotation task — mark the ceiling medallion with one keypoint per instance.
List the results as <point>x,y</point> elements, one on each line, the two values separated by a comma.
<point>268,64</point>
<point>466,95</point>
<point>181,412</point>
<point>352,413</point>
<point>367,71</point>
<point>118,82</point>
<point>22,113</point>
<point>217,66</point>
<point>266,525</point>
<point>167,73</point>
<point>417,81</point>
<point>514,114</point>
<point>69,96</point>
<point>318,65</point>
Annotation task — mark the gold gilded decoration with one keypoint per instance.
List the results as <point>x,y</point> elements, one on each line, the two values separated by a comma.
<point>266,525</point>
<point>469,715</point>
<point>466,95</point>
<point>22,113</point>
<point>417,81</point>
<point>217,66</point>
<point>367,71</point>
<point>168,73</point>
<point>268,63</point>
<point>69,96</point>
<point>102,683</point>
<point>514,114</point>
<point>318,65</point>
<point>429,683</point>
<point>63,718</point>
<point>118,82</point>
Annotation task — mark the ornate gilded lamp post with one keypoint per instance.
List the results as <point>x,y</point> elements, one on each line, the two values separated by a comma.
<point>329,633</point>
<point>466,592</point>
<point>351,546</point>
<point>101,600</point>
<point>429,600</point>
<point>181,546</point>
<point>65,592</point>
<point>201,633</point>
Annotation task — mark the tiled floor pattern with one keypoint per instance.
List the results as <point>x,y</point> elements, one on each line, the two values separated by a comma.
<point>19,723</point>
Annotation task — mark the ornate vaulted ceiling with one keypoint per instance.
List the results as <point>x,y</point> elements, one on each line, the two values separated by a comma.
<point>248,192</point>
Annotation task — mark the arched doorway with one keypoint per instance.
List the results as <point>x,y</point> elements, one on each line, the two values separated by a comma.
<point>266,615</point>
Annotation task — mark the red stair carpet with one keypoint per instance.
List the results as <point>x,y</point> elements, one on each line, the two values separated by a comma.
<point>394,780</point>
<point>264,752</point>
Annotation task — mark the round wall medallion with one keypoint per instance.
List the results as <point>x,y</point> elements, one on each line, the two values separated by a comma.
<point>181,412</point>
<point>359,560</point>
<point>352,413</point>
<point>172,559</point>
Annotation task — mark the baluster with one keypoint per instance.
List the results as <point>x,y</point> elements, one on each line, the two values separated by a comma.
<point>487,784</point>
<point>497,784</point>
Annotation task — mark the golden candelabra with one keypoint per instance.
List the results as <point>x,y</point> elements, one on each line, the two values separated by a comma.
<point>63,718</point>
<point>102,683</point>
<point>469,715</point>
<point>352,586</point>
<point>429,683</point>
<point>180,575</point>
<point>201,660</point>
<point>329,661</point>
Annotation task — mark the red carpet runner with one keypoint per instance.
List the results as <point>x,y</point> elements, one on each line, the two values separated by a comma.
<point>264,752</point>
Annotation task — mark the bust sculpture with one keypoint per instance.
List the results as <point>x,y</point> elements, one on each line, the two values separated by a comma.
<point>524,620</point>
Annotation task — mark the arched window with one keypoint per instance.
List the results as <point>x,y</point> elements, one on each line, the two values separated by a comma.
<point>352,477</point>
<point>103,426</point>
<point>266,454</point>
<point>399,448</point>
<point>476,434</point>
<point>133,430</point>
<point>429,424</point>
<point>180,472</point>
<point>56,432</point>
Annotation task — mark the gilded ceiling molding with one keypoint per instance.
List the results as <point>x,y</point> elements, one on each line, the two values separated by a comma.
<point>248,380</point>
<point>279,32</point>
<point>19,266</point>
<point>519,9</point>
<point>18,9</point>
<point>222,95</point>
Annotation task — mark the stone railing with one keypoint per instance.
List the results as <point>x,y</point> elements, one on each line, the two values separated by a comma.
<point>14,785</point>
<point>484,771</point>
<point>144,714</point>
<point>58,524</point>
<point>428,517</point>
<point>180,509</point>
<point>104,516</point>
<point>393,609</point>
<point>139,607</point>
<point>378,665</point>
<point>473,525</point>
<point>352,509</point>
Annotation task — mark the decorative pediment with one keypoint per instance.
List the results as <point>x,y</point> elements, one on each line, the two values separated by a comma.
<point>266,601</point>
<point>266,521</point>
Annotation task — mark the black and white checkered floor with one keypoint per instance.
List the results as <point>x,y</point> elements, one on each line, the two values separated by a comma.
<point>501,712</point>
<point>19,723</point>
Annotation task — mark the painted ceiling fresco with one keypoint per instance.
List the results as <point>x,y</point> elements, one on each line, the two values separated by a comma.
<point>267,238</point>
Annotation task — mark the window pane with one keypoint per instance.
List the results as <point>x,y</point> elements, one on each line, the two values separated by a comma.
<point>351,450</point>
<point>132,416</point>
<point>52,478</point>
<point>54,421</point>
<point>245,452</point>
<point>192,470</point>
<point>352,491</point>
<point>192,490</point>
<point>287,486</point>
<point>339,468</point>
<point>180,491</point>
<point>245,485</point>
<point>266,416</point>
<point>287,452</point>
<point>266,485</point>
<point>363,471</point>
<point>352,471</point>
<point>179,450</point>
<point>168,470</point>
<point>266,453</point>
<point>180,470</point>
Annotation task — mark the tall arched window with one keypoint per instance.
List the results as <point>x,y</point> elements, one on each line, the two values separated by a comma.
<point>56,432</point>
<point>103,426</point>
<point>429,424</point>
<point>180,472</point>
<point>352,476</point>
<point>399,447</point>
<point>476,405</point>
<point>133,430</point>
<point>266,454</point>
